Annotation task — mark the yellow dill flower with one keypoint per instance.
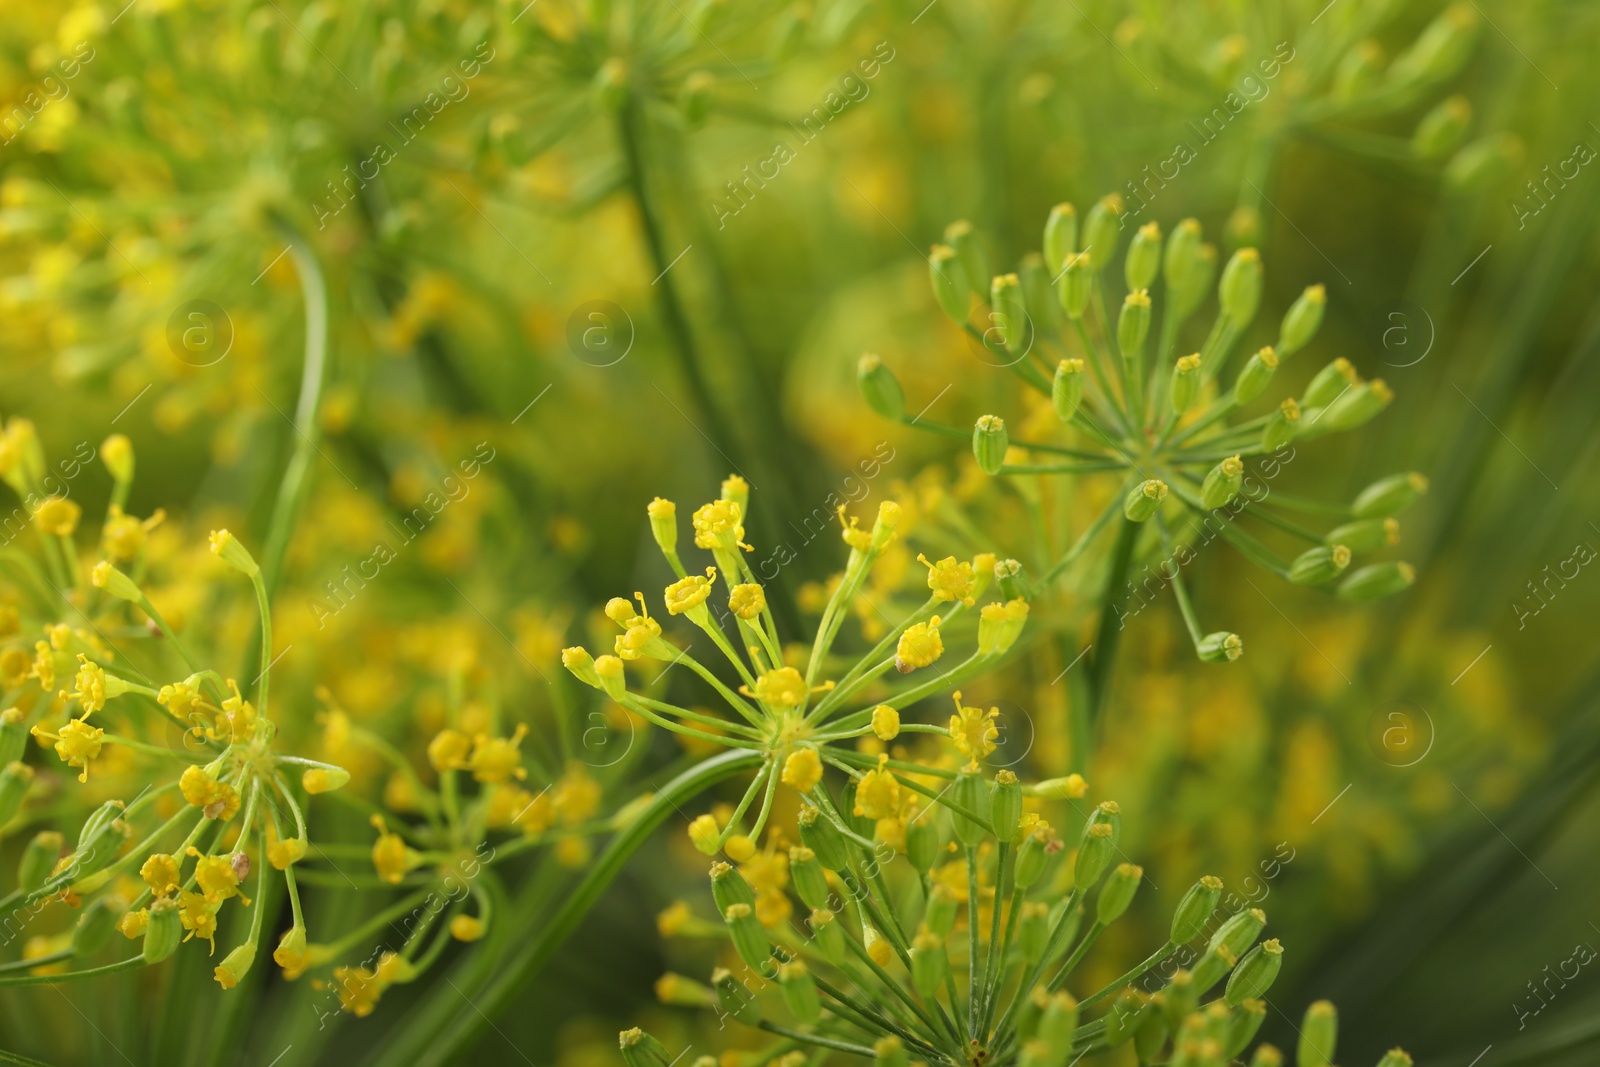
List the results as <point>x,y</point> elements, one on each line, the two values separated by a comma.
<point>77,744</point>
<point>218,800</point>
<point>448,750</point>
<point>466,928</point>
<point>494,759</point>
<point>802,770</point>
<point>284,853</point>
<point>576,797</point>
<point>390,855</point>
<point>57,516</point>
<point>719,525</point>
<point>44,665</point>
<point>179,697</point>
<point>689,593</point>
<point>16,667</point>
<point>123,537</point>
<point>60,635</point>
<point>572,852</point>
<point>234,965</point>
<point>885,722</point>
<point>674,919</point>
<point>198,916</point>
<point>747,600</point>
<point>291,953</point>
<point>218,876</point>
<point>878,792</point>
<point>358,989</point>
<point>90,685</point>
<point>704,832</point>
<point>951,579</point>
<point>919,646</point>
<point>739,848</point>
<point>133,924</point>
<point>162,873</point>
<point>783,687</point>
<point>974,731</point>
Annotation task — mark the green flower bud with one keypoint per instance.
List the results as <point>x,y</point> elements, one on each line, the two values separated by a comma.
<point>694,99</point>
<point>1223,646</point>
<point>929,963</point>
<point>860,824</point>
<point>1356,407</point>
<point>810,884</point>
<point>734,999</point>
<point>1031,1007</point>
<point>749,939</point>
<point>1073,285</point>
<point>1186,380</point>
<point>1205,273</point>
<point>1005,805</point>
<point>1097,845</point>
<point>1180,998</point>
<point>1133,325</point>
<point>1365,535</point>
<point>1255,377</point>
<point>38,859</point>
<point>1150,1033</point>
<point>1143,499</point>
<point>1321,564</point>
<point>1377,580</point>
<point>1239,932</point>
<point>788,34</point>
<point>1033,856</point>
<point>1441,130</point>
<point>611,83</point>
<point>925,837</point>
<point>950,286</point>
<point>828,935</point>
<point>1239,292</point>
<point>1117,894</point>
<point>1038,291</point>
<point>1189,918</point>
<point>989,443</point>
<point>1066,391</point>
<point>1319,1035</point>
<point>1144,257</point>
<point>1210,969</point>
<point>95,926</point>
<point>890,1051</point>
<point>1058,1023</point>
<point>729,887</point>
<point>1255,973</point>
<point>1243,1025</point>
<point>1068,920</point>
<point>1329,382</point>
<point>14,782</point>
<point>1358,71</point>
<point>800,991</point>
<point>1124,1016</point>
<point>1060,237</point>
<point>880,388</point>
<point>939,914</point>
<point>969,250</point>
<point>164,931</point>
<point>1282,426</point>
<point>1438,52</point>
<point>1482,162</point>
<point>970,792</point>
<point>1101,230</point>
<point>823,838</point>
<point>1222,483</point>
<point>227,547</point>
<point>1266,1056</point>
<point>1011,313</point>
<point>1033,930</point>
<point>1395,1057</point>
<point>1302,320</point>
<point>13,736</point>
<point>1008,573</point>
<point>1182,268</point>
<point>1389,496</point>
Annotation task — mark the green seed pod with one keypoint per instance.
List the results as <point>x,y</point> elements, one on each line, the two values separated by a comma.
<point>1150,1032</point>
<point>38,859</point>
<point>1073,285</point>
<point>1223,646</point>
<point>1039,1054</point>
<point>1441,130</point>
<point>939,914</point>
<point>800,991</point>
<point>14,732</point>
<point>1060,237</point>
<point>1239,292</point>
<point>749,938</point>
<point>1033,930</point>
<point>1205,273</point>
<point>1239,932</point>
<point>1483,162</point>
<point>14,782</point>
<point>1395,1057</point>
<point>810,884</point>
<point>1143,499</point>
<point>1358,71</point>
<point>611,83</point>
<point>859,824</point>
<point>929,964</point>
<point>1255,377</point>
<point>1144,257</point>
<point>1222,483</point>
<point>1123,1016</point>
<point>95,926</point>
<point>925,837</point>
<point>1101,228</point>
<point>1038,292</point>
<point>1302,320</point>
<point>1210,969</point>
<point>890,1051</point>
<point>1033,856</point>
<point>1365,535</point>
<point>735,1000</point>
<point>1186,380</point>
<point>1008,573</point>
<point>823,838</point>
<point>694,99</point>
<point>1438,52</point>
<point>1005,805</point>
<point>1011,313</point>
<point>880,388</point>
<point>1133,325</point>
<point>1377,580</point>
<point>1255,973</point>
<point>969,250</point>
<point>1189,918</point>
<point>164,931</point>
<point>788,33</point>
<point>1117,894</point>
<point>729,887</point>
<point>971,793</point>
<point>1243,1025</point>
<point>989,443</point>
<point>1097,845</point>
<point>1319,1035</point>
<point>1356,407</point>
<point>1329,382</point>
<point>1030,1008</point>
<point>1389,496</point>
<point>1066,391</point>
<point>950,286</point>
<point>1266,1056</point>
<point>1180,998</point>
<point>1058,1023</point>
<point>1182,267</point>
<point>1282,426</point>
<point>1321,564</point>
<point>828,935</point>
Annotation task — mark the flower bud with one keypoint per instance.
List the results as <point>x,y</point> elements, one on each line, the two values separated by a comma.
<point>1239,932</point>
<point>1194,910</point>
<point>925,839</point>
<point>235,965</point>
<point>1033,856</point>
<point>1005,805</point>
<point>1365,535</point>
<point>1179,998</point>
<point>810,883</point>
<point>13,736</point>
<point>1096,847</point>
<point>1210,969</point>
<point>1143,499</point>
<point>1266,1056</point>
<point>694,98</point>
<point>1255,973</point>
<point>1243,1025</point>
<point>1395,1057</point>
<point>1239,292</point>
<point>1281,426</point>
<point>1144,257</point>
<point>1066,390</point>
<point>880,388</point>
<point>38,859</point>
<point>800,991</point>
<point>609,670</point>
<point>116,452</point>
<point>1183,269</point>
<point>1223,646</point>
<point>929,964</point>
<point>969,792</point>
<point>1377,580</point>
<point>1133,325</point>
<point>1222,483</point>
<point>1124,1016</point>
<point>1100,230</point>
<point>734,999</point>
<point>1358,71</point>
<point>1441,130</point>
<point>1073,285</point>
<point>1319,1035</point>
<point>105,576</point>
<point>1058,1023</point>
<point>1038,295</point>
<point>1302,320</point>
<point>1389,496</point>
<point>1328,383</point>
<point>989,443</point>
<point>728,887</point>
<point>1255,377</point>
<point>1186,380</point>
<point>1483,161</point>
<point>749,939</point>
<point>828,934</point>
<point>949,282</point>
<point>95,926</point>
<point>14,782</point>
<point>1321,564</point>
<point>227,546</point>
<point>1150,1033</point>
<point>1033,930</point>
<point>1060,237</point>
<point>974,261</point>
<point>324,779</point>
<point>164,931</point>
<point>823,838</point>
<point>1438,52</point>
<point>1356,406</point>
<point>939,914</point>
<point>1010,313</point>
<point>611,83</point>
<point>1118,892</point>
